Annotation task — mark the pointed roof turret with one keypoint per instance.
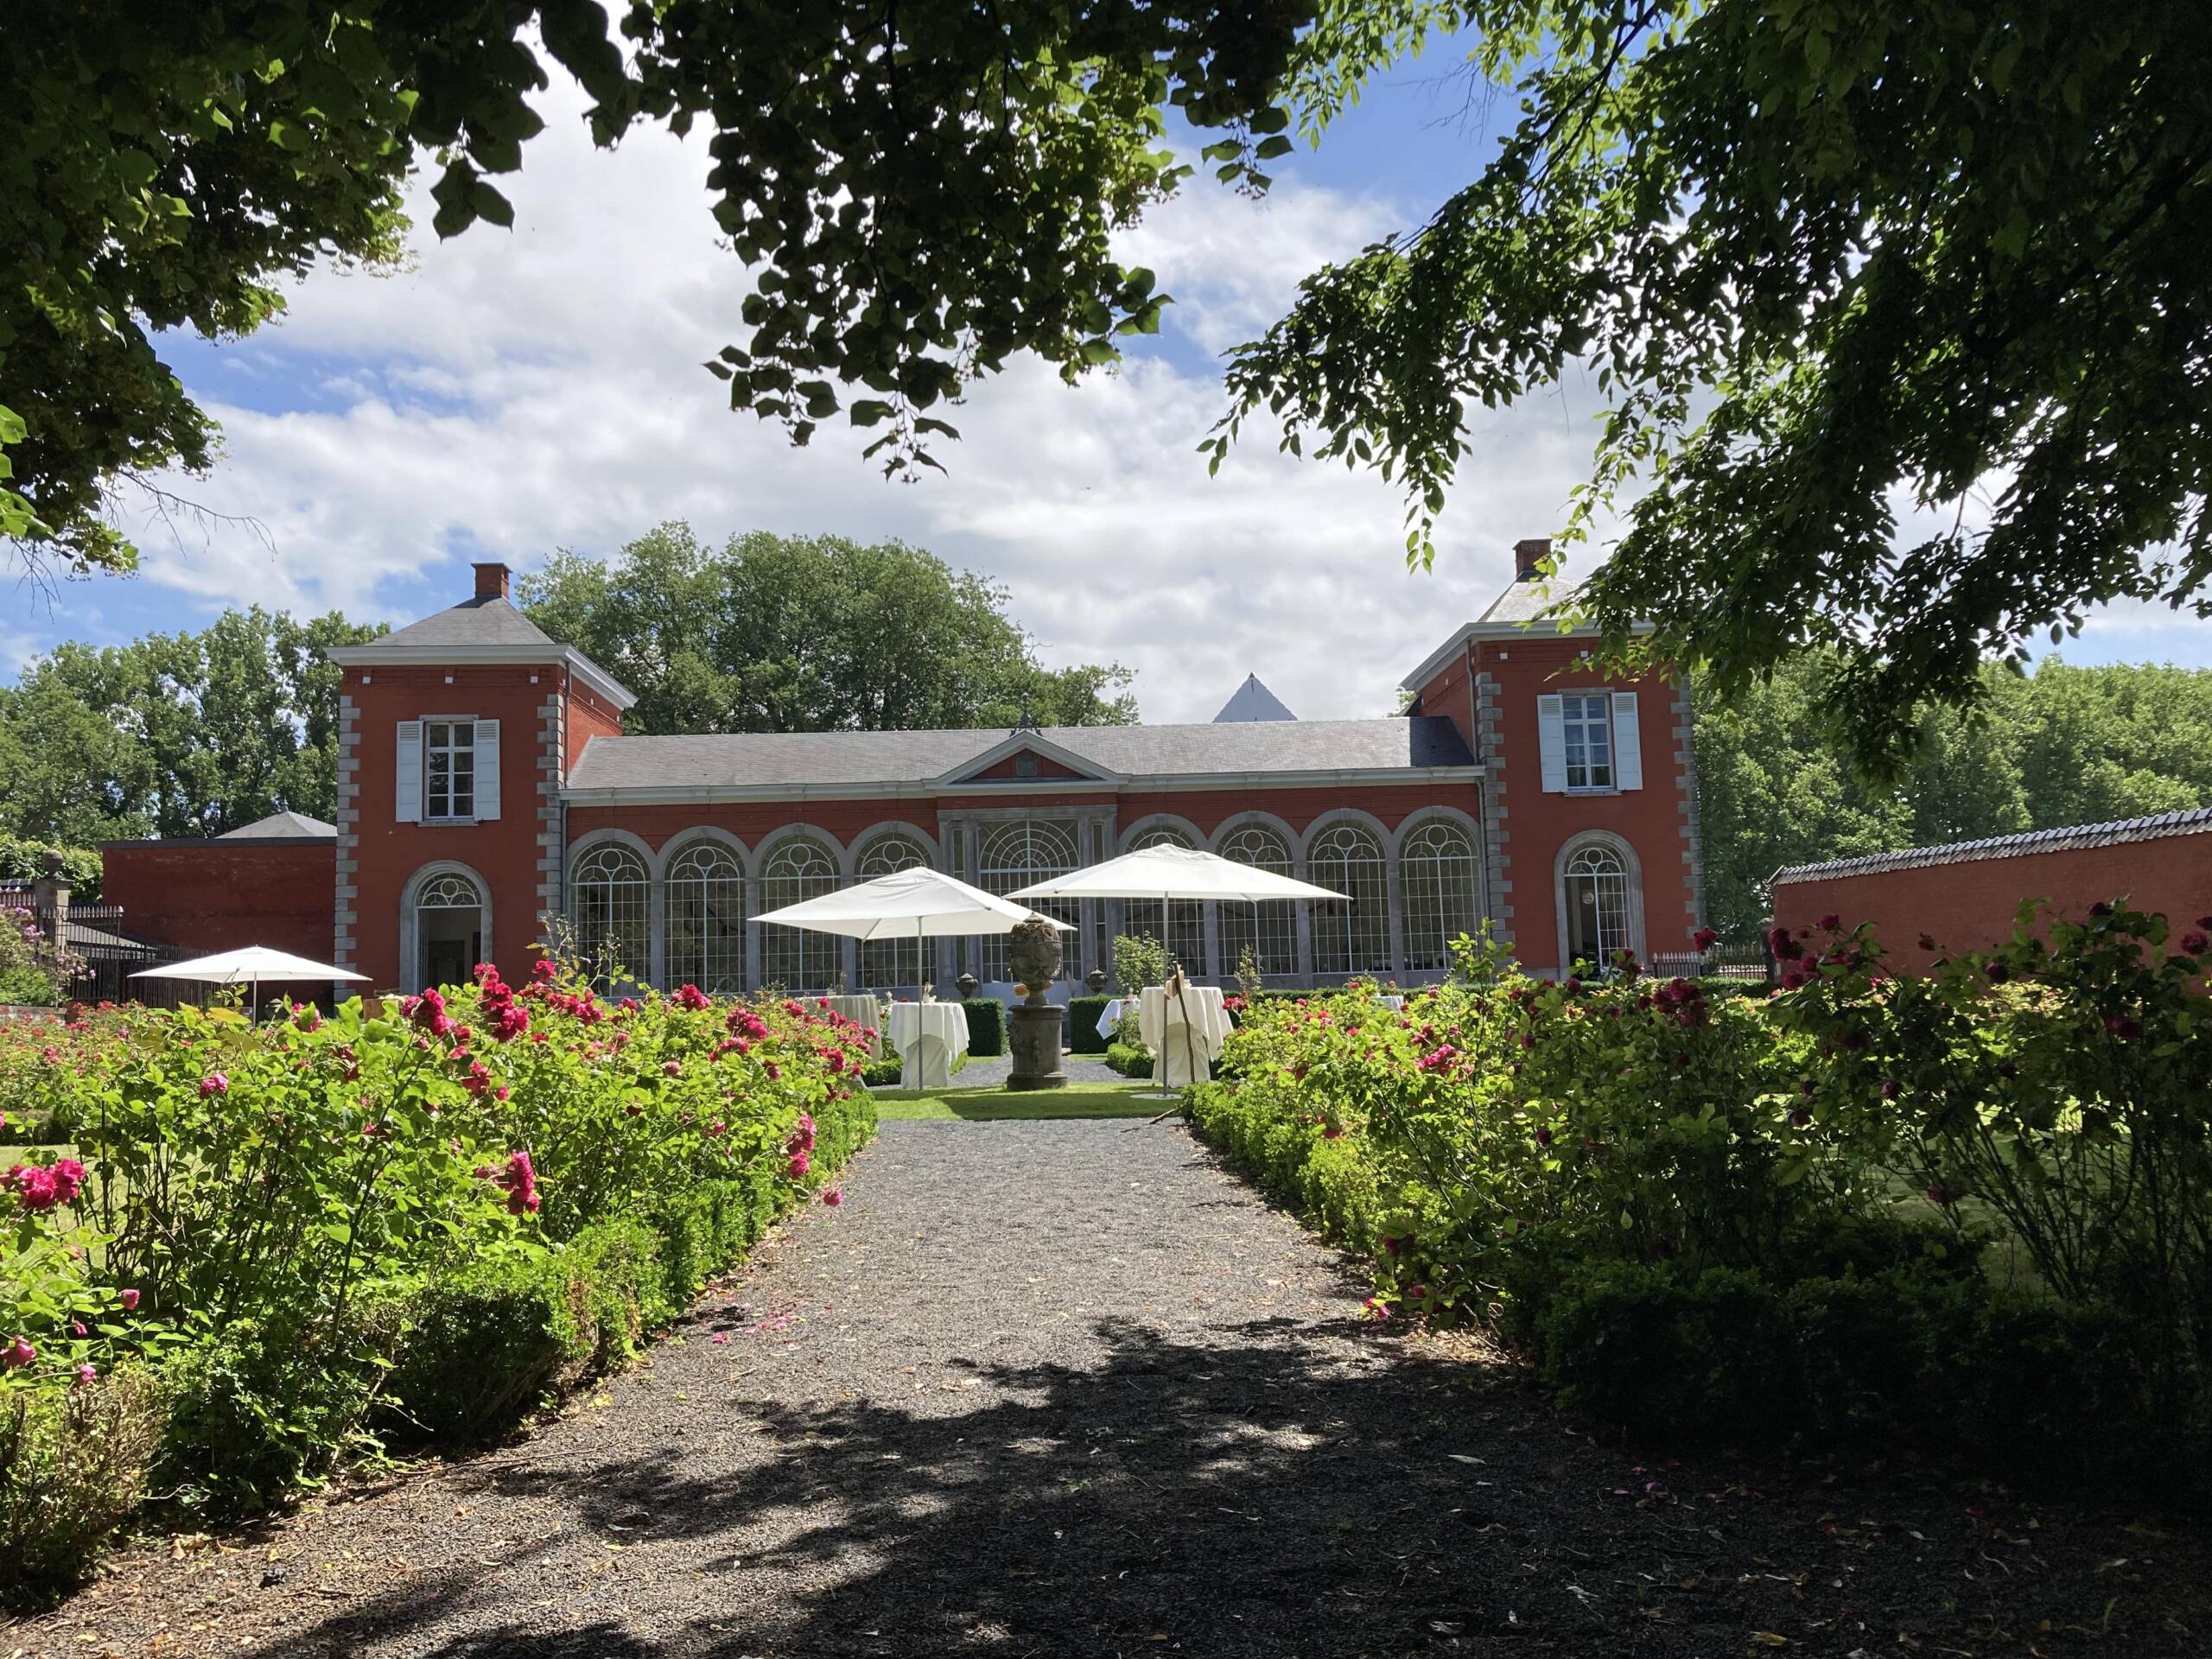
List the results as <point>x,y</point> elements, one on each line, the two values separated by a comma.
<point>1253,701</point>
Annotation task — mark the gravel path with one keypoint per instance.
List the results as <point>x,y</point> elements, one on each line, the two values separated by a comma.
<point>991,1071</point>
<point>1068,1387</point>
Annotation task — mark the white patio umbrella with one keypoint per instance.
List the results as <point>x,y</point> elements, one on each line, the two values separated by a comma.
<point>914,904</point>
<point>248,965</point>
<point>1168,874</point>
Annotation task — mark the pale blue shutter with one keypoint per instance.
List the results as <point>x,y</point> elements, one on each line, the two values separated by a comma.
<point>406,790</point>
<point>487,769</point>
<point>1628,743</point>
<point>1551,742</point>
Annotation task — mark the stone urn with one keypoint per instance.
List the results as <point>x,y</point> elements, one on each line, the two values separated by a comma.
<point>1096,980</point>
<point>967,985</point>
<point>1033,1028</point>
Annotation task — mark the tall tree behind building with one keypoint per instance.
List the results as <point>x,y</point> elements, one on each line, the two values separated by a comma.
<point>2066,745</point>
<point>809,633</point>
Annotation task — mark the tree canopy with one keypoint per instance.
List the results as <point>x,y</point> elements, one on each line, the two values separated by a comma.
<point>2066,745</point>
<point>1900,311</point>
<point>175,734</point>
<point>924,189</point>
<point>778,633</point>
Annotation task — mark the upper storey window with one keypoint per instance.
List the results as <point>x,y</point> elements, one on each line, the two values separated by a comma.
<point>1589,742</point>
<point>449,769</point>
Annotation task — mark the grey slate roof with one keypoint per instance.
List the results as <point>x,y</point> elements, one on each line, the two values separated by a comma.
<point>282,826</point>
<point>1253,701</point>
<point>1522,601</point>
<point>2116,833</point>
<point>483,621</point>
<point>828,759</point>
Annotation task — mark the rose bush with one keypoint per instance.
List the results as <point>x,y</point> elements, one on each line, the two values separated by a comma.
<point>279,1221</point>
<point>1972,1208</point>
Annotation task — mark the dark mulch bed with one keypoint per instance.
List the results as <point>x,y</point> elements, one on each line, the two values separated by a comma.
<point>1068,1389</point>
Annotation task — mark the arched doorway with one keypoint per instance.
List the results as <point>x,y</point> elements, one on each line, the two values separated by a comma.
<point>1596,891</point>
<point>446,925</point>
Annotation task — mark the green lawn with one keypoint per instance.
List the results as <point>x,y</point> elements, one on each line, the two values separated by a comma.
<point>995,1104</point>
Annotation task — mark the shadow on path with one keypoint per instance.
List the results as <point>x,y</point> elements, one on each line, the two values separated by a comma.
<point>1287,1488</point>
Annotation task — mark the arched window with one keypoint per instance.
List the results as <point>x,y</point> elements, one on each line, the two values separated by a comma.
<point>1269,930</point>
<point>1184,927</point>
<point>610,904</point>
<point>706,918</point>
<point>1352,938</point>
<point>1596,883</point>
<point>446,918</point>
<point>1013,855</point>
<point>1436,877</point>
<point>796,959</point>
<point>892,963</point>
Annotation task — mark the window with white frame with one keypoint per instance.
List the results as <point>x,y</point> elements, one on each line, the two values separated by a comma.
<point>610,903</point>
<point>1355,938</point>
<point>1181,926</point>
<point>1436,871</point>
<point>1012,855</point>
<point>1269,931</point>
<point>795,959</point>
<point>1596,900</point>
<point>449,769</point>
<point>1586,725</point>
<point>891,963</point>
<point>706,918</point>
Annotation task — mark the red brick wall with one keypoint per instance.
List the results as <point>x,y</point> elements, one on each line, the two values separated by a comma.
<point>1538,825</point>
<point>590,716</point>
<point>504,852</point>
<point>1009,766</point>
<point>1449,695</point>
<point>204,896</point>
<point>1970,905</point>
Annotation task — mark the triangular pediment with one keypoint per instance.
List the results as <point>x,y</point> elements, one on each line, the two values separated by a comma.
<point>1025,757</point>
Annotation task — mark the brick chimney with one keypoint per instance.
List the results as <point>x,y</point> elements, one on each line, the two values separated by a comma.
<point>1526,556</point>
<point>492,580</point>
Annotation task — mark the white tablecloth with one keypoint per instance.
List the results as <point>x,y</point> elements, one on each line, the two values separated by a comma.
<point>1392,1002</point>
<point>1184,1053</point>
<point>927,1036</point>
<point>863,1011</point>
<point>1112,1017</point>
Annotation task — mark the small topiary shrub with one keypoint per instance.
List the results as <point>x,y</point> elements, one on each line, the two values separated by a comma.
<point>1130,1059</point>
<point>72,1467</point>
<point>986,1026</point>
<point>1083,1014</point>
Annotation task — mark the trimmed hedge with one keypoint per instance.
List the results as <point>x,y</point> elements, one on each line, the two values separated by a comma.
<point>1130,1059</point>
<point>986,1026</point>
<point>1083,1014</point>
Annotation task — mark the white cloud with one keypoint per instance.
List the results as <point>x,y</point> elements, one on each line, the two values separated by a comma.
<point>515,392</point>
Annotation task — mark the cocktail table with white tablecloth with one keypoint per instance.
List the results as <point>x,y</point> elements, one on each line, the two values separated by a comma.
<point>927,1036</point>
<point>1116,1008</point>
<point>1184,1032</point>
<point>864,1012</point>
<point>1390,1000</point>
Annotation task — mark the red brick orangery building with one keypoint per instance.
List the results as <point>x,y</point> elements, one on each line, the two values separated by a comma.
<point>485,784</point>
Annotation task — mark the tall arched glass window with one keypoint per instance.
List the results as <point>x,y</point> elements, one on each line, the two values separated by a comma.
<point>1596,882</point>
<point>1012,855</point>
<point>706,918</point>
<point>795,959</point>
<point>1182,929</point>
<point>1436,878</point>
<point>1352,938</point>
<point>892,963</point>
<point>1269,930</point>
<point>610,902</point>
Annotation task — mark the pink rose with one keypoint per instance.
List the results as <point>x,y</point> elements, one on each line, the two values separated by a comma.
<point>17,1354</point>
<point>213,1084</point>
<point>129,1302</point>
<point>834,1197</point>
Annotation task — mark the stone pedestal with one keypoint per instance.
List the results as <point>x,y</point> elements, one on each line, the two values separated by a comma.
<point>1032,1038</point>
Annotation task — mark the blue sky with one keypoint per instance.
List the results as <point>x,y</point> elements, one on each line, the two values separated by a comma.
<point>511,393</point>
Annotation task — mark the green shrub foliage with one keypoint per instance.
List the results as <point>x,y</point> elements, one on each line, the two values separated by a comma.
<point>1970,1210</point>
<point>1083,1014</point>
<point>1130,1059</point>
<point>986,1026</point>
<point>409,1217</point>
